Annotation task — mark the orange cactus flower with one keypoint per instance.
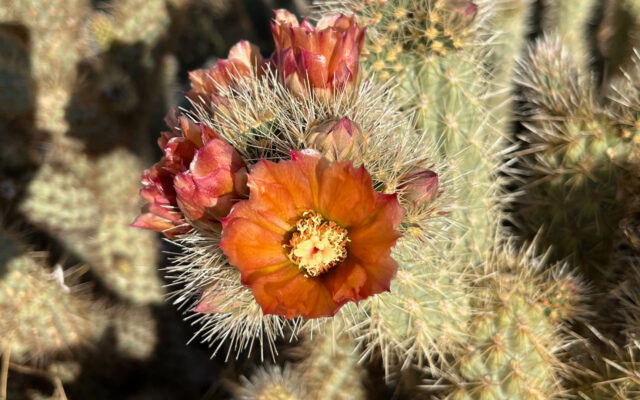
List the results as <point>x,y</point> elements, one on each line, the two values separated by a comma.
<point>312,236</point>
<point>198,179</point>
<point>244,58</point>
<point>325,57</point>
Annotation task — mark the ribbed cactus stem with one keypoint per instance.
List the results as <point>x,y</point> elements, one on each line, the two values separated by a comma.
<point>514,19</point>
<point>572,171</point>
<point>331,370</point>
<point>92,220</point>
<point>272,383</point>
<point>570,21</point>
<point>514,337</point>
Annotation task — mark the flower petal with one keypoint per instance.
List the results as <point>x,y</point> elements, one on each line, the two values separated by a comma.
<point>314,66</point>
<point>251,247</point>
<point>346,194</point>
<point>288,292</point>
<point>372,240</point>
<point>345,280</point>
<point>379,276</point>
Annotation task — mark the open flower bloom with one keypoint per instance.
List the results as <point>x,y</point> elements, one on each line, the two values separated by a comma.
<point>244,59</point>
<point>215,180</point>
<point>312,236</point>
<point>325,57</point>
<point>199,178</point>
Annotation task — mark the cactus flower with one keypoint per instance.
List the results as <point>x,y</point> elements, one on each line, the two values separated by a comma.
<point>176,187</point>
<point>312,236</point>
<point>215,180</point>
<point>325,57</point>
<point>244,59</point>
<point>337,140</point>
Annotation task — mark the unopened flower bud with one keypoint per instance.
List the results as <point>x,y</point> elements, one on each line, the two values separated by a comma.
<point>337,140</point>
<point>213,301</point>
<point>420,186</point>
<point>464,11</point>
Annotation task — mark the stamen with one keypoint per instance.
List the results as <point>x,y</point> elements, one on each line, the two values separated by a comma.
<point>317,245</point>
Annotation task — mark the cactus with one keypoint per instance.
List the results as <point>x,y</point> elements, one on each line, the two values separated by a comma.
<point>571,174</point>
<point>424,316</point>
<point>47,316</point>
<point>516,336</point>
<point>271,383</point>
<point>433,50</point>
<point>471,313</point>
<point>135,332</point>
<point>264,120</point>
<point>515,19</point>
<point>331,369</point>
<point>92,219</point>
<point>606,370</point>
<point>570,20</point>
<point>124,259</point>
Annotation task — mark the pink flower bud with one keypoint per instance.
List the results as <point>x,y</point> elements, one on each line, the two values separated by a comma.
<point>244,59</point>
<point>464,11</point>
<point>420,186</point>
<point>337,140</point>
<point>200,177</point>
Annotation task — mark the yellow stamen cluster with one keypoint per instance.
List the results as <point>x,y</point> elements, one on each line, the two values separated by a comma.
<point>317,245</point>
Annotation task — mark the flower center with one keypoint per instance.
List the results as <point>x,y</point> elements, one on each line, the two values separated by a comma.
<point>317,244</point>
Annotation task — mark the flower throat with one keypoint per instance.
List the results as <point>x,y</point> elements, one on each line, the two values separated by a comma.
<point>317,245</point>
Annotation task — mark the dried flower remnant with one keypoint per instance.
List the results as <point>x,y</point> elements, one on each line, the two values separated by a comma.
<point>324,57</point>
<point>313,236</point>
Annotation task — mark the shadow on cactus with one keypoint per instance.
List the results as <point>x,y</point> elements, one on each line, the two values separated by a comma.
<point>19,155</point>
<point>575,163</point>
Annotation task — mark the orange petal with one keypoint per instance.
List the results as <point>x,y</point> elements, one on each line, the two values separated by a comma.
<point>312,165</point>
<point>345,280</point>
<point>152,222</point>
<point>373,240</point>
<point>379,276</point>
<point>245,55</point>
<point>288,292</point>
<point>251,247</point>
<point>269,221</point>
<point>346,194</point>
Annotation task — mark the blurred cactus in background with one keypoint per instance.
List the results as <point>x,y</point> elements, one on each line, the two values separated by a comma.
<point>508,132</point>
